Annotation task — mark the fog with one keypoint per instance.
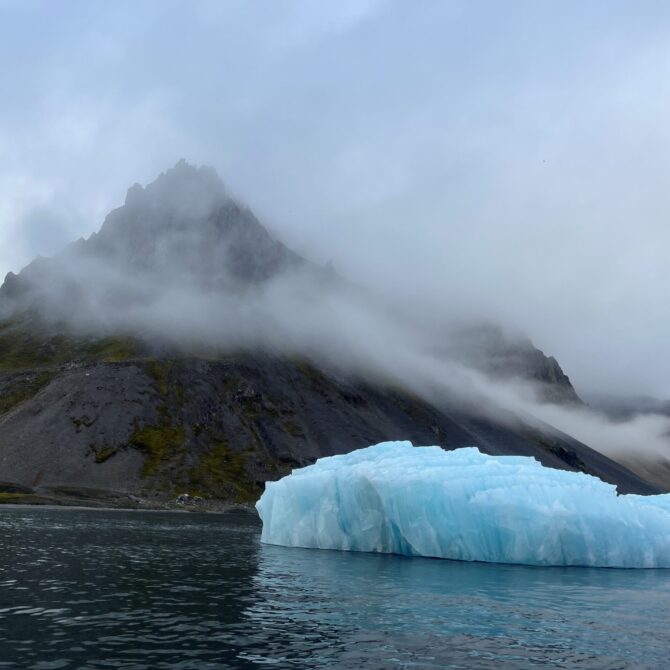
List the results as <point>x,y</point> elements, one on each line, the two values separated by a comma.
<point>459,160</point>
<point>183,265</point>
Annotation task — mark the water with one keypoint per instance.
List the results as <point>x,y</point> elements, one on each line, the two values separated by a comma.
<point>104,589</point>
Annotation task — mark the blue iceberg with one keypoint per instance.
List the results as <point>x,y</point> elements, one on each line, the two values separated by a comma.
<point>464,505</point>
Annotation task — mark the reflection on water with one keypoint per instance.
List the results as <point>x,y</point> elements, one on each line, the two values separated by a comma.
<point>138,590</point>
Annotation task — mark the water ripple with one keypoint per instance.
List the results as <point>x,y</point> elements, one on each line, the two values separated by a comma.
<point>135,591</point>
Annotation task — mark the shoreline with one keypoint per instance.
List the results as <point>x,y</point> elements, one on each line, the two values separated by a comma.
<point>122,502</point>
<point>181,509</point>
<point>13,494</point>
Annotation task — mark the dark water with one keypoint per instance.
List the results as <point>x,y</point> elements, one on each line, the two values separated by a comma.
<point>90,589</point>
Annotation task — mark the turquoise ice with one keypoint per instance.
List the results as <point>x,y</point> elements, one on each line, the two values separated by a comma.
<point>464,505</point>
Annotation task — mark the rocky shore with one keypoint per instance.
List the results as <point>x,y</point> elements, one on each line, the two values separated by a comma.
<point>15,494</point>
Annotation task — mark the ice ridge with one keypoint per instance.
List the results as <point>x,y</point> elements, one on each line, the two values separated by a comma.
<point>464,505</point>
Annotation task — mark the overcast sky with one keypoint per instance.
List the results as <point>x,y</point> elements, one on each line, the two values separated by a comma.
<point>503,158</point>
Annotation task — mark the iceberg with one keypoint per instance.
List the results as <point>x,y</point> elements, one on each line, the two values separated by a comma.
<point>464,505</point>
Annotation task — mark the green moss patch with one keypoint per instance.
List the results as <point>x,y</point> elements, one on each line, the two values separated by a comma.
<point>13,487</point>
<point>13,497</point>
<point>110,349</point>
<point>160,443</point>
<point>292,428</point>
<point>27,344</point>
<point>159,371</point>
<point>221,473</point>
<point>103,453</point>
<point>24,390</point>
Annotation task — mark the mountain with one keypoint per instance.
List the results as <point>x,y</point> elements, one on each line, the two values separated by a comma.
<point>487,347</point>
<point>183,231</point>
<point>183,348</point>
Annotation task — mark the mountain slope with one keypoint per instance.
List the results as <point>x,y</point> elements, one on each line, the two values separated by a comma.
<point>172,351</point>
<point>220,428</point>
<point>487,347</point>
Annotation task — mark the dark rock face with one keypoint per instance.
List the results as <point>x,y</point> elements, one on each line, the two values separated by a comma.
<point>502,356</point>
<point>185,224</point>
<point>11,288</point>
<point>158,428</point>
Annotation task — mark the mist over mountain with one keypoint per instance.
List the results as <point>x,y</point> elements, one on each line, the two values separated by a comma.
<point>181,261</point>
<point>181,236</point>
<point>234,348</point>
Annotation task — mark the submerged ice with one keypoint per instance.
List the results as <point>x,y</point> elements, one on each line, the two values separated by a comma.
<point>464,505</point>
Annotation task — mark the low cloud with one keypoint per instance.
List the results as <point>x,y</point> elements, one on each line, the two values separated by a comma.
<point>179,267</point>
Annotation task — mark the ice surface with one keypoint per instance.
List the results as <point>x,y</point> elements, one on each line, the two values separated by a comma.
<point>465,505</point>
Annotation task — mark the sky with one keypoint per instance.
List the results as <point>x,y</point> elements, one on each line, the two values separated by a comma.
<point>479,158</point>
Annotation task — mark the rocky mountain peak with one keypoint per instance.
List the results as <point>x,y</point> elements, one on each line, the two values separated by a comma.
<point>181,229</point>
<point>189,189</point>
